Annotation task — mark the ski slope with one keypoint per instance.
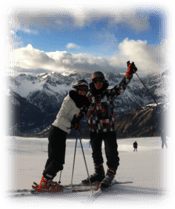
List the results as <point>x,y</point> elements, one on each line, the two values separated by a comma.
<point>146,168</point>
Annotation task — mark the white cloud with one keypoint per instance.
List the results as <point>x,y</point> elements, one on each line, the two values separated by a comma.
<point>28,30</point>
<point>72,46</point>
<point>163,52</point>
<point>25,29</point>
<point>132,21</point>
<point>78,17</point>
<point>30,58</point>
<point>147,58</point>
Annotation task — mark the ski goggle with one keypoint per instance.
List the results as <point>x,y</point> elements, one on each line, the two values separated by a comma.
<point>100,80</point>
<point>83,88</point>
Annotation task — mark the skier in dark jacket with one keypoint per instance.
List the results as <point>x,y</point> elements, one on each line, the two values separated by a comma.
<point>135,145</point>
<point>101,124</point>
<point>75,101</point>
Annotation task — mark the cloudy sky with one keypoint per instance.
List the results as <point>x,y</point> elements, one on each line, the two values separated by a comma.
<point>69,39</point>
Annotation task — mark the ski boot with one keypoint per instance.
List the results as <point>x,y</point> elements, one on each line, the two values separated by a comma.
<point>108,178</point>
<point>47,186</point>
<point>98,176</point>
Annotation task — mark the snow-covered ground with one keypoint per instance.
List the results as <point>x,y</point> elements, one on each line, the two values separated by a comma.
<point>146,168</point>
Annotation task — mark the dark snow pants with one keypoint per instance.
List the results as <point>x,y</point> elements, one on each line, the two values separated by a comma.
<point>56,152</point>
<point>111,147</point>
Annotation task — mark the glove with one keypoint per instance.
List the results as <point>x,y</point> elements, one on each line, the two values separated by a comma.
<point>77,126</point>
<point>75,123</point>
<point>131,68</point>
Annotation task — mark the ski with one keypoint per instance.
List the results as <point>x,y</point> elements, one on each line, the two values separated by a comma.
<point>32,192</point>
<point>123,182</point>
<point>66,189</point>
<point>94,184</point>
<point>36,185</point>
<point>24,190</point>
<point>19,193</point>
<point>63,189</point>
<point>74,187</point>
<point>97,183</point>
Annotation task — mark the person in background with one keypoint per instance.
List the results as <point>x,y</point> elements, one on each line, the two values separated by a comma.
<point>135,145</point>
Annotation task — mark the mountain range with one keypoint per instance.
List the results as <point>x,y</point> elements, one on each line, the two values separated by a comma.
<point>36,99</point>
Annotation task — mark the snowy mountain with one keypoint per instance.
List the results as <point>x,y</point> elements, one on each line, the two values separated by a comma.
<point>46,92</point>
<point>53,87</point>
<point>25,116</point>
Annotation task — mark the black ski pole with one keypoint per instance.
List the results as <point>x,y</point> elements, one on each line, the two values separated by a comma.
<point>74,158</point>
<point>143,83</point>
<point>78,133</point>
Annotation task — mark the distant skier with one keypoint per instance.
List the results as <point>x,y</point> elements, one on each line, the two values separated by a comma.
<point>164,142</point>
<point>73,102</point>
<point>164,129</point>
<point>135,145</point>
<point>162,126</point>
<point>101,124</point>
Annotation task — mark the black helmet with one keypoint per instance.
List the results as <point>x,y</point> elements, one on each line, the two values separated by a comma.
<point>79,83</point>
<point>97,74</point>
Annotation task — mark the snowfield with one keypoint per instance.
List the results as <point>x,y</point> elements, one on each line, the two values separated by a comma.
<point>146,168</point>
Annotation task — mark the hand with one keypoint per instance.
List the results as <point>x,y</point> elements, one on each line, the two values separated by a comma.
<point>131,67</point>
<point>75,123</point>
<point>77,126</point>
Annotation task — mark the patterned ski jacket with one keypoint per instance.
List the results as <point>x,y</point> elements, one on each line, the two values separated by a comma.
<point>101,110</point>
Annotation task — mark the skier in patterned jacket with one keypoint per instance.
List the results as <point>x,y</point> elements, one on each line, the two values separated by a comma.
<point>101,124</point>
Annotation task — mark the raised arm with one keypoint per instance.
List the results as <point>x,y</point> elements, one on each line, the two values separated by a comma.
<point>117,90</point>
